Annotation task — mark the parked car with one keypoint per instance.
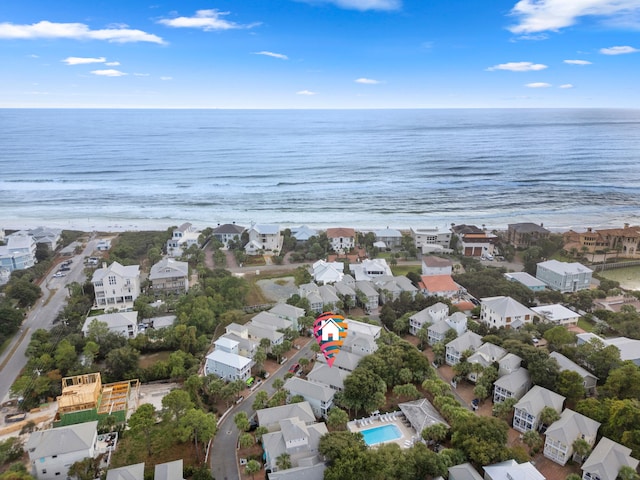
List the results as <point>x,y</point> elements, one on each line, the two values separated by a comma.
<point>294,368</point>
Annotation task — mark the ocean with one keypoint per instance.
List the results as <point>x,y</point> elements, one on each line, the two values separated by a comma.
<point>140,169</point>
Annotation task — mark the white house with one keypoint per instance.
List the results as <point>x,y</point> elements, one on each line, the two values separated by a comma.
<point>468,341</point>
<point>49,237</point>
<point>169,276</point>
<point>264,238</point>
<point>561,434</point>
<point>527,411</point>
<point>563,276</point>
<point>288,312</point>
<point>181,239</point>
<point>19,252</point>
<point>512,385</point>
<point>427,316</point>
<point>361,338</point>
<point>511,470</point>
<point>227,233</point>
<point>432,265</point>
<point>303,233</point>
<point>430,236</point>
<point>270,320</point>
<point>341,239</point>
<point>486,355</point>
<point>116,286</point>
<point>504,312</point>
<point>390,237</point>
<point>529,281</point>
<point>319,396</point>
<point>606,460</point>
<point>370,269</point>
<point>52,452</point>
<point>370,295</point>
<point>557,314</point>
<point>329,376</point>
<point>228,366</point>
<point>270,417</point>
<point>104,245</point>
<point>327,272</point>
<point>437,332</point>
<point>122,323</point>
<point>508,364</point>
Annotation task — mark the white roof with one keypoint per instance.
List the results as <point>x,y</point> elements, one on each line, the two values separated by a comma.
<point>525,279</point>
<point>231,359</point>
<point>288,311</point>
<point>361,328</point>
<point>309,389</point>
<point>608,458</point>
<point>555,313</point>
<point>113,320</point>
<point>563,268</point>
<point>629,348</point>
<point>267,229</point>
<point>505,306</point>
<point>167,268</point>
<point>128,472</point>
<point>566,364</point>
<point>270,416</point>
<point>226,343</point>
<point>512,470</point>
<point>130,271</point>
<point>572,425</point>
<point>465,341</point>
<point>61,440</point>
<point>537,398</point>
<point>513,381</point>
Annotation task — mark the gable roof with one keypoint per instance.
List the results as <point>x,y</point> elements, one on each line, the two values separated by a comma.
<point>511,382</point>
<point>169,471</point>
<point>113,320</point>
<point>168,268</point>
<point>129,472</point>
<point>464,471</point>
<point>537,398</point>
<point>608,458</point>
<point>465,341</point>
<point>58,441</point>
<point>486,354</point>
<point>130,271</point>
<point>266,229</point>
<point>324,374</point>
<point>287,311</point>
<point>309,389</point>
<point>566,364</point>
<point>572,425</point>
<point>273,415</point>
<point>505,306</point>
<point>231,359</point>
<point>340,232</point>
<point>512,470</point>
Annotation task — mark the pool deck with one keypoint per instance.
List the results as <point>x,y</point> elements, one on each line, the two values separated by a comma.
<point>405,441</point>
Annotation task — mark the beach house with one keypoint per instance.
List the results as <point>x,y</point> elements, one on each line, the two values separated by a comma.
<point>116,286</point>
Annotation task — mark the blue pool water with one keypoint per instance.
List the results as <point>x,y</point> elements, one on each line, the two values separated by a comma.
<point>384,433</point>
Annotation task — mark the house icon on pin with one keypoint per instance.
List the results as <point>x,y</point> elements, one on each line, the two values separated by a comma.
<point>330,329</point>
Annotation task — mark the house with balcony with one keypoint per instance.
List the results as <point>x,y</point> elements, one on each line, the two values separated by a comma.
<point>432,265</point>
<point>437,332</point>
<point>264,238</point>
<point>606,461</point>
<point>169,277</point>
<point>341,239</point>
<point>247,347</point>
<point>319,396</point>
<point>390,237</point>
<point>467,342</point>
<point>527,411</point>
<point>361,338</point>
<point>485,356</point>
<point>524,235</point>
<point>51,452</point>
<point>116,286</point>
<point>561,434</point>
<point>19,253</point>
<point>370,269</point>
<point>617,241</point>
<point>327,272</point>
<point>181,239</point>
<point>270,418</point>
<point>427,316</point>
<point>439,286</point>
<point>425,236</point>
<point>48,237</point>
<point>512,385</point>
<point>504,312</point>
<point>288,312</point>
<point>557,315</point>
<point>508,364</point>
<point>589,380</point>
<point>563,276</point>
<point>329,376</point>
<point>370,296</point>
<point>226,363</point>
<point>121,323</point>
<point>229,232</point>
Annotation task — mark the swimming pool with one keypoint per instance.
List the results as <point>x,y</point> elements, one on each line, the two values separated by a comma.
<point>384,433</point>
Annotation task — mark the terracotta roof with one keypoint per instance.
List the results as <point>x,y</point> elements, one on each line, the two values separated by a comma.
<point>437,262</point>
<point>340,232</point>
<point>438,283</point>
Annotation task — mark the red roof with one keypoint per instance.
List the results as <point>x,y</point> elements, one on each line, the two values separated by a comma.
<point>340,232</point>
<point>438,283</point>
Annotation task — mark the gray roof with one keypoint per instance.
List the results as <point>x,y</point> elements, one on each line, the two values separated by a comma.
<point>129,472</point>
<point>527,227</point>
<point>512,470</point>
<point>169,268</point>
<point>287,311</point>
<point>311,472</point>
<point>271,416</point>
<point>323,373</point>
<point>366,288</point>
<point>113,320</point>
<point>464,471</point>
<point>514,381</point>
<point>230,359</point>
<point>344,289</point>
<point>130,271</point>
<point>58,441</point>
<point>506,306</point>
<point>486,354</point>
<point>228,228</point>
<point>344,361</point>
<point>537,398</point>
<point>421,414</point>
<point>267,229</point>
<point>271,320</point>
<point>169,471</point>
<point>308,389</point>
<point>567,364</point>
<point>572,425</point>
<point>525,279</point>
<point>608,458</point>
<point>563,268</point>
<point>468,340</point>
<point>439,327</point>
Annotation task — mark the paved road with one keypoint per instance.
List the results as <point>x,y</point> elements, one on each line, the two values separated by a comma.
<point>42,315</point>
<point>224,465</point>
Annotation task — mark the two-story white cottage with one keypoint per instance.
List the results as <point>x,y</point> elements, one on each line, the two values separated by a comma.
<point>468,341</point>
<point>504,312</point>
<point>182,238</point>
<point>264,238</point>
<point>561,434</point>
<point>116,286</point>
<point>226,363</point>
<point>527,411</point>
<point>122,323</point>
<point>427,316</point>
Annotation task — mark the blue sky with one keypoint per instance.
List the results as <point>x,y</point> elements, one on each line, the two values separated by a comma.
<point>320,53</point>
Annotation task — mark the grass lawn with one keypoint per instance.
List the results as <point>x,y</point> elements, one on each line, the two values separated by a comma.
<point>147,360</point>
<point>404,269</point>
<point>585,325</point>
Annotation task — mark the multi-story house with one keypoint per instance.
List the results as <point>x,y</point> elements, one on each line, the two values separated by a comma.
<point>319,396</point>
<point>52,452</point>
<point>512,385</point>
<point>486,355</point>
<point>122,323</point>
<point>226,363</point>
<point>508,364</point>
<point>391,238</point>
<point>361,338</point>
<point>327,272</point>
<point>473,241</point>
<point>341,239</point>
<point>589,380</point>
<point>264,238</point>
<point>370,269</point>
<point>370,296</point>
<point>564,277</point>
<point>430,236</point>
<point>169,276</point>
<point>523,235</point>
<point>428,316</point>
<point>439,286</point>
<point>529,281</point>
<point>116,286</point>
<point>504,312</point>
<point>556,314</point>
<point>432,265</point>
<point>19,253</point>
<point>526,415</point>
<point>617,241</point>
<point>468,341</point>
<point>288,312</point>
<point>229,232</point>
<point>326,375</point>
<point>561,434</point>
<point>181,239</point>
<point>606,461</point>
<point>438,331</point>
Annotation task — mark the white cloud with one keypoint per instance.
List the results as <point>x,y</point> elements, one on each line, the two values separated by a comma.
<point>518,67</point>
<point>206,20</point>
<point>75,31</point>
<point>110,72</point>
<point>538,85</point>
<point>83,60</point>
<point>272,54</point>
<point>140,74</point>
<point>543,15</point>
<point>362,5</point>
<point>566,85</point>
<point>367,81</point>
<point>577,62</point>
<point>306,92</point>
<point>619,50</point>
<point>166,78</point>
<point>112,64</point>
<point>33,55</point>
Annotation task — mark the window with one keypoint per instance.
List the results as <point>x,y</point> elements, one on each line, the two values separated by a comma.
<point>112,279</point>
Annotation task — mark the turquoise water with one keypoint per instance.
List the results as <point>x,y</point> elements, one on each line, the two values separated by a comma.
<point>385,433</point>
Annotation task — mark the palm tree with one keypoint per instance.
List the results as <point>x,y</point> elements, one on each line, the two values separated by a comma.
<point>253,467</point>
<point>283,461</point>
<point>581,450</point>
<point>532,440</point>
<point>548,415</point>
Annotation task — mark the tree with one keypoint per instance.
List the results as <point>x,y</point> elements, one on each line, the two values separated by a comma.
<point>252,468</point>
<point>283,461</point>
<point>628,473</point>
<point>242,421</point>
<point>504,409</point>
<point>548,415</point>
<point>10,450</point>
<point>481,392</point>
<point>337,419</point>
<point>423,336</point>
<point>198,426</point>
<point>559,336</point>
<point>260,400</point>
<point>482,439</point>
<point>176,403</point>
<point>533,440</point>
<point>363,390</point>
<point>142,422</point>
<point>435,433</point>
<point>581,449</point>
<point>623,382</point>
<point>85,469</point>
<point>259,358</point>
<point>246,440</point>
<point>408,391</point>
<point>122,363</point>
<point>570,385</point>
<point>260,431</point>
<point>278,383</point>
